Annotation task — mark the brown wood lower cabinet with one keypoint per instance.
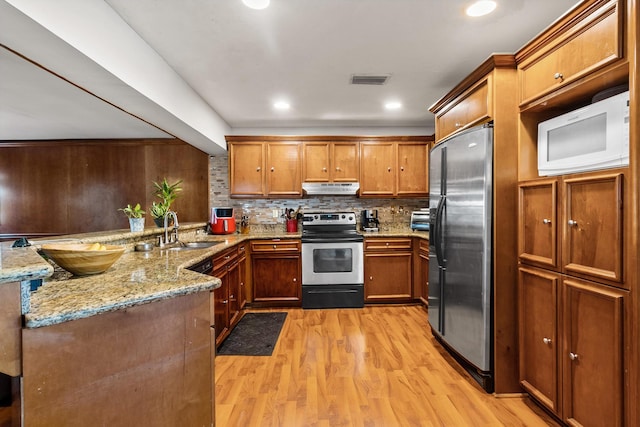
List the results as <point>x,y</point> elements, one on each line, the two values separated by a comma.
<point>148,365</point>
<point>387,269</point>
<point>421,272</point>
<point>230,267</point>
<point>571,347</point>
<point>276,272</point>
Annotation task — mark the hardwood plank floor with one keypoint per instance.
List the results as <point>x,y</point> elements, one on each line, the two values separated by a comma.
<point>377,366</point>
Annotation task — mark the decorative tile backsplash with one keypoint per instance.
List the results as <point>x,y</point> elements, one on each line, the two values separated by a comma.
<point>392,213</point>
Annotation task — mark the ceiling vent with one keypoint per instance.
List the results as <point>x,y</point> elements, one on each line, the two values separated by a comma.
<point>369,79</point>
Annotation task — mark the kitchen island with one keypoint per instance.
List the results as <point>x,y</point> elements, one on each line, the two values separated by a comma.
<point>131,346</point>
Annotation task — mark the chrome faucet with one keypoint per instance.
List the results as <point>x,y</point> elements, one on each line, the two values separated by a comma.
<point>174,237</point>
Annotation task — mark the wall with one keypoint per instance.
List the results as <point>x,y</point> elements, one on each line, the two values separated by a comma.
<point>65,187</point>
<point>260,210</point>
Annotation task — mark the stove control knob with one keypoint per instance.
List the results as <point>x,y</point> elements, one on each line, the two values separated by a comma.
<point>344,216</point>
<point>315,216</point>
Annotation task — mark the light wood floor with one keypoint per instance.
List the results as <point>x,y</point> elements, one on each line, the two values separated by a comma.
<point>377,366</point>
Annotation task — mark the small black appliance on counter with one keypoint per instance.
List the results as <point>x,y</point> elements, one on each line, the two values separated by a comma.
<point>369,220</point>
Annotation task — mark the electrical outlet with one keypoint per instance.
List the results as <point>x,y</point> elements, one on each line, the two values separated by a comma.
<point>275,213</point>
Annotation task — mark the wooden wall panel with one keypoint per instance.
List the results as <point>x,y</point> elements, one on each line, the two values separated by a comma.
<point>63,187</point>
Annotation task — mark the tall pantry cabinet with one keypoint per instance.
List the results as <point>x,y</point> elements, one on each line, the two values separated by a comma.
<point>578,234</point>
<point>486,95</point>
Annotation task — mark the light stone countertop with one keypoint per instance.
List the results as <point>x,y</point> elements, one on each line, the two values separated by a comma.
<point>136,278</point>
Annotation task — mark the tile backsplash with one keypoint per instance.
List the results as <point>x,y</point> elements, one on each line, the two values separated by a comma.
<point>392,213</point>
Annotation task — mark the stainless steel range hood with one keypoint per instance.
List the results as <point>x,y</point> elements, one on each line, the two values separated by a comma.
<point>330,188</point>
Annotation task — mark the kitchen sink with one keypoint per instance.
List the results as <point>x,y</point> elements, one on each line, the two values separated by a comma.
<point>185,246</point>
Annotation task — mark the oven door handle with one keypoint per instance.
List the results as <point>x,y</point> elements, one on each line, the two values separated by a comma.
<point>333,239</point>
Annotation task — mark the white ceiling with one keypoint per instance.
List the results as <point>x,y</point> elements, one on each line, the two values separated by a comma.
<point>239,61</point>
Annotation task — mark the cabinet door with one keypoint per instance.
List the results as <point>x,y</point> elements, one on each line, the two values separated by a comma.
<point>538,223</point>
<point>345,161</point>
<point>594,42</point>
<point>377,169</point>
<point>593,354</point>
<point>221,306</point>
<point>469,109</point>
<point>276,279</point>
<point>412,169</point>
<point>283,175</point>
<point>593,226</point>
<point>387,276</point>
<point>423,276</point>
<point>538,330</point>
<point>233,275</point>
<point>246,168</point>
<point>316,166</point>
<point>242,273</point>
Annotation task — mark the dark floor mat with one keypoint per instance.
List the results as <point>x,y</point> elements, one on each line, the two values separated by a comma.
<point>255,335</point>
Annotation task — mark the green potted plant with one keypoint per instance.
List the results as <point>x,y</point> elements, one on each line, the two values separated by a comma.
<point>136,217</point>
<point>167,193</point>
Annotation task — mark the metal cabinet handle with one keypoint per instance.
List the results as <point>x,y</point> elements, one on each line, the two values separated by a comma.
<point>338,169</point>
<point>402,168</point>
<point>272,169</point>
<point>274,246</point>
<point>572,222</point>
<point>258,169</point>
<point>546,340</point>
<point>231,297</point>
<point>546,221</point>
<point>389,169</point>
<point>573,356</point>
<point>324,169</point>
<point>295,279</point>
<point>370,277</point>
<point>225,301</point>
<point>558,76</point>
<point>458,125</point>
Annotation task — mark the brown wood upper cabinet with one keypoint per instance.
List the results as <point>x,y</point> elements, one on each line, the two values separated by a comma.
<point>469,109</point>
<point>590,222</point>
<point>276,166</point>
<point>265,169</point>
<point>394,168</point>
<point>330,161</point>
<point>579,45</point>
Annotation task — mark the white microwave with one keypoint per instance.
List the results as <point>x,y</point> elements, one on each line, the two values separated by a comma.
<point>590,138</point>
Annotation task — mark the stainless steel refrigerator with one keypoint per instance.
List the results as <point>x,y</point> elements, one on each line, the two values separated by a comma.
<point>460,249</point>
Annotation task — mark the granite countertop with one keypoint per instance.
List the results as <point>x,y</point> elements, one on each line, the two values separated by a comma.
<point>136,278</point>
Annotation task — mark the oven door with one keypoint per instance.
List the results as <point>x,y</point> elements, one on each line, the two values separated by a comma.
<point>332,263</point>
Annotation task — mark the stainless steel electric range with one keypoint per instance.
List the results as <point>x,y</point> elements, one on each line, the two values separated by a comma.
<point>332,261</point>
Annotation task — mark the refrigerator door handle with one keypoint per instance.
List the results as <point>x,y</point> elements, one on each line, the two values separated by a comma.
<point>438,231</point>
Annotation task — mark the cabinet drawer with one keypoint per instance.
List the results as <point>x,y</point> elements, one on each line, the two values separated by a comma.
<point>276,245</point>
<point>423,246</point>
<point>592,43</point>
<point>223,259</point>
<point>470,108</point>
<point>385,244</point>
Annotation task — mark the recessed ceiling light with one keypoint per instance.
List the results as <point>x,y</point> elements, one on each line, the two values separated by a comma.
<point>256,4</point>
<point>394,105</point>
<point>481,8</point>
<point>281,105</point>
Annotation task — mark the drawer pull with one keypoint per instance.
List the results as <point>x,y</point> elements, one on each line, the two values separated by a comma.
<point>389,169</point>
<point>258,169</point>
<point>572,223</point>
<point>324,169</point>
<point>338,169</point>
<point>558,76</point>
<point>402,168</point>
<point>272,169</point>
<point>546,340</point>
<point>458,125</point>
<point>573,356</point>
<point>274,246</point>
<point>546,221</point>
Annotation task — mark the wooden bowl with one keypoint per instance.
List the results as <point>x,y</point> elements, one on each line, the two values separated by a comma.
<point>80,260</point>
